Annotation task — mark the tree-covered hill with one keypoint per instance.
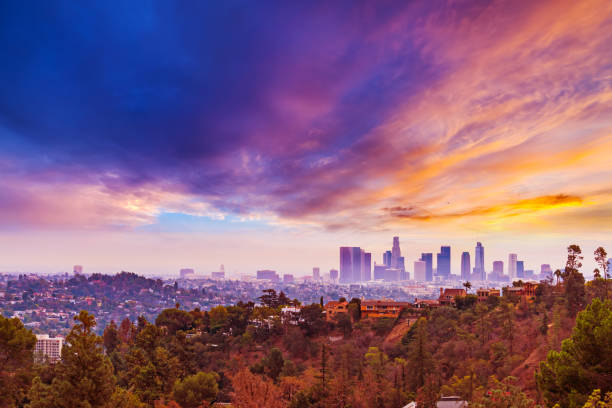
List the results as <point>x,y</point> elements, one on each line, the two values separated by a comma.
<point>510,351</point>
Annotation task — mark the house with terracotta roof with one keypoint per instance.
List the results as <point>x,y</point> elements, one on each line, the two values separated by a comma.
<point>425,303</point>
<point>484,293</point>
<point>447,295</point>
<point>525,290</point>
<point>333,308</point>
<point>382,308</point>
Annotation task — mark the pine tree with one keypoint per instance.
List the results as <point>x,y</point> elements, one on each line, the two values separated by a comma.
<point>84,376</point>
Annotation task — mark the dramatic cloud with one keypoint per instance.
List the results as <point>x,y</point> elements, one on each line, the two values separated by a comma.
<point>363,116</point>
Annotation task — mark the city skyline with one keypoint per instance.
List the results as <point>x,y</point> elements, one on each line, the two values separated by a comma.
<point>361,267</point>
<point>153,137</point>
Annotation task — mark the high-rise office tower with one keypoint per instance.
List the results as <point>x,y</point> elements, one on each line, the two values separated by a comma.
<point>387,259</point>
<point>395,252</point>
<point>465,266</point>
<point>428,259</point>
<point>443,266</point>
<point>512,266</point>
<point>498,271</point>
<point>346,265</point>
<point>520,269</point>
<point>402,267</point>
<point>379,271</point>
<point>367,267</point>
<point>545,271</point>
<point>316,274</point>
<point>479,265</point>
<point>333,275</point>
<point>358,260</point>
<point>77,269</point>
<point>420,271</point>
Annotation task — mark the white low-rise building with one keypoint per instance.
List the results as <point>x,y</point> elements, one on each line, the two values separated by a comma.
<point>48,348</point>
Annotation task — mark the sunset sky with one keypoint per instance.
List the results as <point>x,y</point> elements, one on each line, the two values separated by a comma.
<point>153,135</point>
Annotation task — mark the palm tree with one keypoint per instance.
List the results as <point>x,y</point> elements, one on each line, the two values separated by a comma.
<point>600,258</point>
<point>558,275</point>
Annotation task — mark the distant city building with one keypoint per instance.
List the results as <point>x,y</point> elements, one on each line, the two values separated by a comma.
<point>387,259</point>
<point>379,272</point>
<point>512,266</point>
<point>402,267</point>
<point>316,274</point>
<point>520,269</point>
<point>393,275</point>
<point>187,273</point>
<point>465,266</point>
<point>355,265</point>
<point>498,268</point>
<point>420,271</point>
<point>219,275</point>
<point>267,274</point>
<point>288,278</point>
<point>77,269</point>
<point>395,253</point>
<point>48,348</point>
<point>497,275</point>
<point>333,275</point>
<point>346,265</point>
<point>367,267</point>
<point>444,261</point>
<point>479,264</point>
<point>529,274</point>
<point>428,259</point>
<point>545,271</point>
<point>357,258</point>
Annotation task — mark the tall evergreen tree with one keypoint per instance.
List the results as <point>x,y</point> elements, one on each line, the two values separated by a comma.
<point>84,376</point>
<point>584,363</point>
<point>16,347</point>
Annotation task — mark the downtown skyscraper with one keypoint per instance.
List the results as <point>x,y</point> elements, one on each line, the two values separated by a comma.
<point>479,265</point>
<point>444,262</point>
<point>396,253</point>
<point>465,266</point>
<point>355,265</point>
<point>512,266</point>
<point>427,257</point>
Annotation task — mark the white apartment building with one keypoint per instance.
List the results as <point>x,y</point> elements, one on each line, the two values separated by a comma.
<point>48,348</point>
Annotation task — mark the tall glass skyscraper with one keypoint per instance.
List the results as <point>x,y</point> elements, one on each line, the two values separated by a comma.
<point>352,264</point>
<point>479,265</point>
<point>387,259</point>
<point>444,258</point>
<point>428,259</point>
<point>512,266</point>
<point>346,265</point>
<point>465,266</point>
<point>367,267</point>
<point>520,269</point>
<point>395,253</point>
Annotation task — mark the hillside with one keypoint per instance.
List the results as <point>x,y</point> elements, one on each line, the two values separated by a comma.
<point>252,355</point>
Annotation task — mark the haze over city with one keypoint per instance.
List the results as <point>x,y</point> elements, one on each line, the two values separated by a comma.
<point>150,137</point>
